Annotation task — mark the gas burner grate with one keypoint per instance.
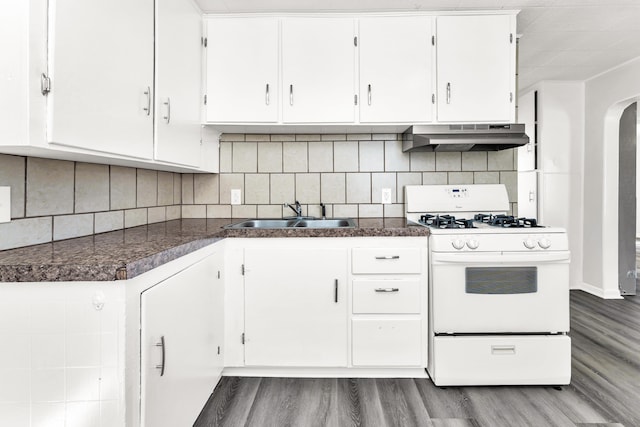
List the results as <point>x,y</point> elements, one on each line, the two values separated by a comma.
<point>445,221</point>
<point>506,221</point>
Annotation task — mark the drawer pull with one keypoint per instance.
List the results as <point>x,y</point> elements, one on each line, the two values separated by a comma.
<point>389,257</point>
<point>503,349</point>
<point>387,290</point>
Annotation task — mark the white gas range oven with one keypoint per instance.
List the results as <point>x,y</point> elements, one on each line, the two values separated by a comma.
<point>498,289</point>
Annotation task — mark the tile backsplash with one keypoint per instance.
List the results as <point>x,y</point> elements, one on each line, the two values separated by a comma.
<point>55,199</point>
<point>346,172</point>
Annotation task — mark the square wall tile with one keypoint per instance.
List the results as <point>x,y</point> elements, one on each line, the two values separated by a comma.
<point>256,189</point>
<point>245,157</point>
<point>394,158</point>
<point>282,188</point>
<point>50,187</point>
<point>486,177</point>
<point>423,161</point>
<point>218,211</point>
<point>408,178</point>
<point>333,188</point>
<point>165,188</point>
<point>194,211</point>
<point>47,385</point>
<point>474,161</point>
<point>47,350</point>
<point>123,187</point>
<point>345,156</point>
<point>187,188</point>
<point>226,159</point>
<point>12,171</point>
<point>108,221</point>
<point>437,178</point>
<point>370,211</point>
<point>320,157</point>
<point>345,211</point>
<point>394,211</point>
<point>147,188</point>
<point>157,214</point>
<point>244,211</point>
<point>174,212</point>
<point>177,188</point>
<point>70,226</point>
<point>380,181</point>
<point>228,182</point>
<point>269,211</point>
<point>294,157</point>
<point>135,217</point>
<point>371,156</point>
<point>49,414</point>
<point>14,385</point>
<point>308,188</point>
<point>25,232</point>
<point>460,178</point>
<point>16,414</point>
<point>83,384</point>
<point>270,157</point>
<point>448,161</point>
<point>502,160</point>
<point>206,188</point>
<point>92,188</point>
<point>48,317</point>
<point>358,188</point>
<point>16,351</point>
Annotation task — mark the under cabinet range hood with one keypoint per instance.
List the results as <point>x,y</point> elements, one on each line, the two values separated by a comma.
<point>467,137</point>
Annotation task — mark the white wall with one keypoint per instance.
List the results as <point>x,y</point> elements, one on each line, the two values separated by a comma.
<point>606,96</point>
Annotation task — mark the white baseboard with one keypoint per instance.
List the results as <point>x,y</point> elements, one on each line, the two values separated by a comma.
<point>597,291</point>
<point>325,372</point>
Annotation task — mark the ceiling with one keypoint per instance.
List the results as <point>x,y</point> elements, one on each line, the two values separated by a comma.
<point>559,39</point>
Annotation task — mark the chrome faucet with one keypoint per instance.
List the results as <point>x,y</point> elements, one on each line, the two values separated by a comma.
<point>297,209</point>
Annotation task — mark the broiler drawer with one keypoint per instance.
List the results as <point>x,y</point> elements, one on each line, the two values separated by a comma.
<point>386,260</point>
<point>390,296</point>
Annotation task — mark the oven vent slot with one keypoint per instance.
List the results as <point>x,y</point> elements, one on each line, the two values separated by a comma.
<point>501,280</point>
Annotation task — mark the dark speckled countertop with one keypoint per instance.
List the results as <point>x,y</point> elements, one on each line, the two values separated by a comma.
<point>125,254</point>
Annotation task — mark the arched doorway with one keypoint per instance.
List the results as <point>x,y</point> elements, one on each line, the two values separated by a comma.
<point>627,206</point>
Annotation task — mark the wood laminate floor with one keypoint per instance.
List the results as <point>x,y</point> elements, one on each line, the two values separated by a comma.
<point>604,390</point>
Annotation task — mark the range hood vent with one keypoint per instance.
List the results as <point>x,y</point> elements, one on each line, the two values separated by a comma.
<point>467,137</point>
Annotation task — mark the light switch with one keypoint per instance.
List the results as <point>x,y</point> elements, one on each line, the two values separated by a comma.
<point>386,196</point>
<point>5,204</point>
<point>236,196</point>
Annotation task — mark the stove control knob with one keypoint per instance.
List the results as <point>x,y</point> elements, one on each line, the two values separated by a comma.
<point>544,243</point>
<point>458,244</point>
<point>529,243</point>
<point>473,244</point>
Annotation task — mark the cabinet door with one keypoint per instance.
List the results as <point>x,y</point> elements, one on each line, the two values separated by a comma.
<point>295,307</point>
<point>395,69</point>
<point>318,70</point>
<point>180,360</point>
<point>475,68</point>
<point>178,78</point>
<point>242,70</point>
<point>101,67</point>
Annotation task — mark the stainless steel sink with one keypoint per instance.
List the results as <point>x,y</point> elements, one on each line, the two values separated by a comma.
<point>295,223</point>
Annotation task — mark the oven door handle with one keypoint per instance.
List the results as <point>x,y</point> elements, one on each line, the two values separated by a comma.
<point>500,258</point>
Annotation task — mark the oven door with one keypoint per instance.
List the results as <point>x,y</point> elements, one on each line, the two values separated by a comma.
<point>495,292</point>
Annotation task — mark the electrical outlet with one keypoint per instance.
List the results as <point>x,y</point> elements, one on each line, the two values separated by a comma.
<point>386,196</point>
<point>5,204</point>
<point>236,196</point>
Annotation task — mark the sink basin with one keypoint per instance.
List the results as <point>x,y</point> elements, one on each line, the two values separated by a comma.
<point>295,223</point>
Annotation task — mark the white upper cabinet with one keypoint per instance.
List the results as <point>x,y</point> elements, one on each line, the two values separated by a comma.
<point>476,68</point>
<point>101,68</point>
<point>242,70</point>
<point>396,69</point>
<point>177,82</point>
<point>318,70</point>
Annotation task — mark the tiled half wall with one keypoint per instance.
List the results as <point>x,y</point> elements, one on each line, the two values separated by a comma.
<point>55,200</point>
<point>346,172</point>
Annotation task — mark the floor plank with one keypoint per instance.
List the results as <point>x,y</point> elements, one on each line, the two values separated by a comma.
<point>604,389</point>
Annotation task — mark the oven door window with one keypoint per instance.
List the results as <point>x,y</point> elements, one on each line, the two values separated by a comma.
<point>501,280</point>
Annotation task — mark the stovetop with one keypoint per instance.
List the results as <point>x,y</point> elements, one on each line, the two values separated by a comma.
<point>479,220</point>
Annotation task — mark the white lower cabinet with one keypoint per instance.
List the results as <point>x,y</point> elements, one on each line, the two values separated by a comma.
<point>295,307</point>
<point>389,341</point>
<point>181,344</point>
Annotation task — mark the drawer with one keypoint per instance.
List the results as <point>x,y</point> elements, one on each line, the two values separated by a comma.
<point>387,342</point>
<point>386,296</point>
<point>502,360</point>
<point>386,260</point>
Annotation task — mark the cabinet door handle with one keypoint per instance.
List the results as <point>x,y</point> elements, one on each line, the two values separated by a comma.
<point>335,290</point>
<point>167,118</point>
<point>503,349</point>
<point>290,94</point>
<point>147,109</point>
<point>388,257</point>
<point>266,94</point>
<point>369,94</point>
<point>448,93</point>
<point>386,290</point>
<point>161,344</point>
